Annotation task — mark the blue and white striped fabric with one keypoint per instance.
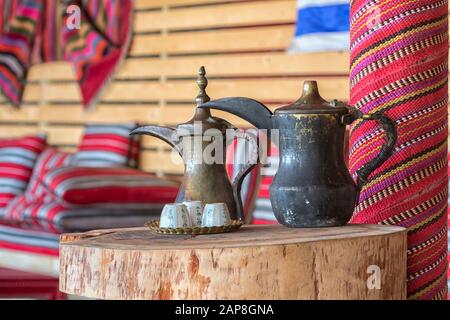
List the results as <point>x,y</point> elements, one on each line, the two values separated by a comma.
<point>322,25</point>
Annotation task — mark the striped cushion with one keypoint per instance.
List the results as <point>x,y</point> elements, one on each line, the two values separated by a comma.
<point>29,240</point>
<point>237,157</point>
<point>122,188</point>
<point>54,217</point>
<point>108,146</point>
<point>15,284</point>
<point>49,159</point>
<point>17,159</point>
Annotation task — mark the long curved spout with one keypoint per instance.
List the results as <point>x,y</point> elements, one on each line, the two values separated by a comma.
<point>166,134</point>
<point>248,109</point>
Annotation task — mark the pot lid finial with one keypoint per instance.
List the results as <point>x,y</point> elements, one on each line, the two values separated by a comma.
<point>202,83</point>
<point>203,116</point>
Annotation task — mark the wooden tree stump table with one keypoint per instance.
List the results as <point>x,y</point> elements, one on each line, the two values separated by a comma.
<point>256,262</point>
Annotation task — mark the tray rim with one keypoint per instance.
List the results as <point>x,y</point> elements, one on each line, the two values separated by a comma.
<point>153,225</point>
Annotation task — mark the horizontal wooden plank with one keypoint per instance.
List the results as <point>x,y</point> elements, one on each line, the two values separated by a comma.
<point>32,92</point>
<point>224,15</point>
<point>66,139</point>
<point>56,135</point>
<point>64,135</point>
<point>262,64</point>
<point>103,113</point>
<point>63,91</point>
<point>23,114</point>
<point>154,143</point>
<point>144,4</point>
<point>70,135</point>
<point>54,120</point>
<point>156,161</point>
<point>60,70</point>
<point>67,135</point>
<point>263,38</point>
<point>18,131</point>
<point>261,89</point>
<point>181,113</point>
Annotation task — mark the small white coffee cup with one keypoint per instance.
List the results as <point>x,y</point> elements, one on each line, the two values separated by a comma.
<point>216,215</point>
<point>195,209</point>
<point>175,215</point>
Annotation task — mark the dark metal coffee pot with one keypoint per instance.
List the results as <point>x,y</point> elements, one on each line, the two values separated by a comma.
<point>313,187</point>
<point>204,180</point>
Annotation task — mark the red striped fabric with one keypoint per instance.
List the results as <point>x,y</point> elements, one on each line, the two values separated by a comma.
<point>37,31</point>
<point>114,187</point>
<point>55,217</point>
<point>16,284</point>
<point>63,198</point>
<point>17,159</point>
<point>399,65</point>
<point>69,199</point>
<point>49,159</point>
<point>108,146</point>
<point>448,231</point>
<point>7,7</point>
<point>29,239</point>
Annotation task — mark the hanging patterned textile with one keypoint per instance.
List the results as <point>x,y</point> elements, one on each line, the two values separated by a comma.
<point>38,31</point>
<point>399,65</point>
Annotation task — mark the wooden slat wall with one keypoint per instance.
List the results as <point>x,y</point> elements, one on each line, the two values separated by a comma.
<point>241,43</point>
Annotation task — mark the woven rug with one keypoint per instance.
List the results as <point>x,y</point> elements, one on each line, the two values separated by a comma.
<point>399,65</point>
<point>37,31</point>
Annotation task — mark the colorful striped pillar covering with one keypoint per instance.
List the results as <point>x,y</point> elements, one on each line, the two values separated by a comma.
<point>399,65</point>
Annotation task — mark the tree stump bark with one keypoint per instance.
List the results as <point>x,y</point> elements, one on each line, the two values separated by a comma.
<point>257,262</point>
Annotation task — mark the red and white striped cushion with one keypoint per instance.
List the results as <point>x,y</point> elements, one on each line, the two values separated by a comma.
<point>122,188</point>
<point>33,240</point>
<point>55,217</point>
<point>62,198</point>
<point>17,159</point>
<point>108,146</point>
<point>49,159</point>
<point>15,284</point>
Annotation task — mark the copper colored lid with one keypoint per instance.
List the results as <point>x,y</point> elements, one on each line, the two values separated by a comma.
<point>310,103</point>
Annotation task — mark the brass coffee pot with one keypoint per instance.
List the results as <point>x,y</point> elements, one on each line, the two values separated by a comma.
<point>205,180</point>
<point>312,187</point>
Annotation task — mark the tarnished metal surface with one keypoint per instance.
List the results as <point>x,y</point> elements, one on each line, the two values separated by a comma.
<point>203,181</point>
<point>313,187</point>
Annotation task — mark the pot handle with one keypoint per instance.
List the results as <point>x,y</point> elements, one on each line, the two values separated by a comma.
<point>388,148</point>
<point>244,171</point>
